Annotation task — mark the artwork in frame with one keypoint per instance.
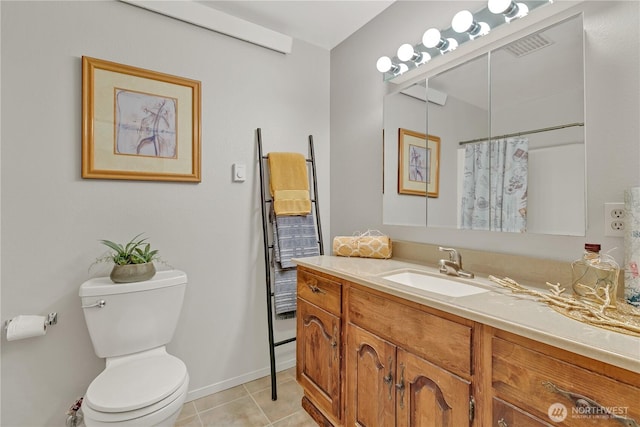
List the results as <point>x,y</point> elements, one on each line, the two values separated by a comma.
<point>139,124</point>
<point>418,163</point>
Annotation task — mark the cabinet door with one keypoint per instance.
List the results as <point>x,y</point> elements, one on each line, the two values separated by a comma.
<point>318,356</point>
<point>370,377</point>
<point>429,396</point>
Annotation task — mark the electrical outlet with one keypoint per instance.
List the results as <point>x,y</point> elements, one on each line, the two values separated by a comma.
<point>617,213</point>
<point>614,219</point>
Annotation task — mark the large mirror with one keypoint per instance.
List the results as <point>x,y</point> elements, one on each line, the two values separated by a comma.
<point>527,99</point>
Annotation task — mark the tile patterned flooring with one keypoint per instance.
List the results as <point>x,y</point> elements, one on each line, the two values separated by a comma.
<point>250,405</point>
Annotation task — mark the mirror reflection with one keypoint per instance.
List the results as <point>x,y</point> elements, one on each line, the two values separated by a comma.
<point>537,107</point>
<point>464,116</point>
<point>404,116</point>
<point>527,98</point>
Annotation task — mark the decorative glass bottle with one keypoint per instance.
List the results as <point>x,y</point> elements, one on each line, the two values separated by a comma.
<point>595,276</point>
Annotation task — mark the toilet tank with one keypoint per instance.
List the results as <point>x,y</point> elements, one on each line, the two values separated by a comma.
<point>134,316</point>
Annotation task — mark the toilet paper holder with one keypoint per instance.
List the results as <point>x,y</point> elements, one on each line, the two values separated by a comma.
<point>52,319</point>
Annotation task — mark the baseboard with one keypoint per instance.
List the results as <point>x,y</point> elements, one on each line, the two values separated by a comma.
<point>241,379</point>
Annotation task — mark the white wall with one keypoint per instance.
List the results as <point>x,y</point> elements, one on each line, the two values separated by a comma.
<point>612,125</point>
<point>52,219</point>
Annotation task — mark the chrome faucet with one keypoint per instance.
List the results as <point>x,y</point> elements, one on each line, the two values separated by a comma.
<point>453,265</point>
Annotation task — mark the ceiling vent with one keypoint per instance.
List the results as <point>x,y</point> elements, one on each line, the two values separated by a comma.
<point>528,45</point>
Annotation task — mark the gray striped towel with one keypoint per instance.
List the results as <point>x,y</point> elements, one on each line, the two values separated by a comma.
<point>293,237</point>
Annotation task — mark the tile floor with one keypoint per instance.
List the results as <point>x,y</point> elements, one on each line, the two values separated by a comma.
<point>250,405</point>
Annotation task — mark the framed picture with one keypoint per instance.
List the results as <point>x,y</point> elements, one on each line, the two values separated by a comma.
<point>139,124</point>
<point>418,163</point>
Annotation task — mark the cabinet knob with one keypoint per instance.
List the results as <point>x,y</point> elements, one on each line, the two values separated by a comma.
<point>388,379</point>
<point>502,423</point>
<point>400,386</point>
<point>315,289</point>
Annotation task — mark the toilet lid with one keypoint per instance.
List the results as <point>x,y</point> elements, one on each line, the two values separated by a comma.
<point>135,384</point>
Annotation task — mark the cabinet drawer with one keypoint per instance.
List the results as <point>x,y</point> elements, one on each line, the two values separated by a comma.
<point>441,341</point>
<point>534,381</point>
<point>320,291</point>
<point>506,415</point>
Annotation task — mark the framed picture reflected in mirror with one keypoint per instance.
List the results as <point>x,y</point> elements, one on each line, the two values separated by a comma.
<point>418,163</point>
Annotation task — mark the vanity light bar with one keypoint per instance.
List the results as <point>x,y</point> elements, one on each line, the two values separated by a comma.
<point>465,26</point>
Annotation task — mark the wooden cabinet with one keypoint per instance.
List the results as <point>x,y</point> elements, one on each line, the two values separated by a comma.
<point>371,370</point>
<point>430,395</point>
<point>425,333</point>
<point>539,385</point>
<point>388,382</point>
<point>387,386</point>
<point>368,358</point>
<point>319,337</point>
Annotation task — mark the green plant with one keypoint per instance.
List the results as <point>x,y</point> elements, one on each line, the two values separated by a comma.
<point>136,251</point>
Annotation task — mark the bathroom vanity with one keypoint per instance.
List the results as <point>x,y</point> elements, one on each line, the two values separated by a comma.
<point>373,352</point>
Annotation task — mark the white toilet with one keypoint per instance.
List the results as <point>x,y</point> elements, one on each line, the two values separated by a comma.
<point>130,324</point>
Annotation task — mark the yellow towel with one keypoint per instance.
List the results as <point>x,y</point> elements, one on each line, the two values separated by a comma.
<point>289,183</point>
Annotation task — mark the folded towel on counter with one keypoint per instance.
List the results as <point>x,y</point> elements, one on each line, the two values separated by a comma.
<point>371,244</point>
<point>289,183</point>
<point>294,237</point>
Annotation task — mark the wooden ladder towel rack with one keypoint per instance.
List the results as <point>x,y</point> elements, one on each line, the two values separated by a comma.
<point>265,196</point>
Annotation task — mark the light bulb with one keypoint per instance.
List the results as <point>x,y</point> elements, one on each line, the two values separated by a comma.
<point>406,52</point>
<point>425,57</point>
<point>450,45</point>
<point>482,30</point>
<point>462,22</point>
<point>519,11</point>
<point>523,10</point>
<point>384,64</point>
<point>508,8</point>
<point>431,38</point>
<point>500,6</point>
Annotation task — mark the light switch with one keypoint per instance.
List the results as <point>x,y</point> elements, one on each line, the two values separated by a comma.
<point>239,172</point>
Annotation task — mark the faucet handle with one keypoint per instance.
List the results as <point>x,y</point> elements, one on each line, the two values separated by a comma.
<point>454,256</point>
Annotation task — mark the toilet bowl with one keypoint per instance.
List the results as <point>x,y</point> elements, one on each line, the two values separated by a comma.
<point>147,389</point>
<point>129,324</point>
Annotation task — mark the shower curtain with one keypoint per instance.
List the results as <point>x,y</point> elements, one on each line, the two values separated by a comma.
<point>494,195</point>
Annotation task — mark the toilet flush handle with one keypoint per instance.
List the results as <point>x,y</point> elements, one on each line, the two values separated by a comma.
<point>101,303</point>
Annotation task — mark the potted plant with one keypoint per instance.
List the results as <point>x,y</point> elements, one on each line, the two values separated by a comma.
<point>133,261</point>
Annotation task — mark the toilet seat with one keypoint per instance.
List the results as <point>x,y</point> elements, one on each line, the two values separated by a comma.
<point>136,388</point>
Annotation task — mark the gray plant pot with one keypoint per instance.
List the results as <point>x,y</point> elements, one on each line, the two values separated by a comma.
<point>132,272</point>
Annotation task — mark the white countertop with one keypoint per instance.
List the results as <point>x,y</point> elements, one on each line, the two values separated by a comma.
<point>499,308</point>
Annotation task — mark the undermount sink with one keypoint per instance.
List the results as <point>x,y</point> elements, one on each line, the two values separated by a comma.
<point>430,283</point>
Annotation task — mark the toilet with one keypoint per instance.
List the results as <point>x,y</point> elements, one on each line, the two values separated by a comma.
<point>130,325</point>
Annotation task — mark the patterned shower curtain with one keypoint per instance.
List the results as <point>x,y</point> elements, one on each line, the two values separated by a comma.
<point>495,185</point>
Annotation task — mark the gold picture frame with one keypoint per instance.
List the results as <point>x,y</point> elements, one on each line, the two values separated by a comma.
<point>139,124</point>
<point>418,163</point>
